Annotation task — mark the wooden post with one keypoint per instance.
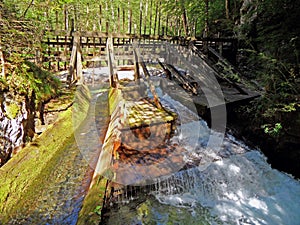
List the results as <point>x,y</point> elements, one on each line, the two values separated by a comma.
<point>73,59</point>
<point>79,64</point>
<point>110,55</point>
<point>136,66</point>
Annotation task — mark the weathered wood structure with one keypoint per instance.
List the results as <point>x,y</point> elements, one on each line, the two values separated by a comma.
<point>140,128</point>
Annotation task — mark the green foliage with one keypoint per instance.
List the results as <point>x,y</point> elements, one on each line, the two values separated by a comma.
<point>272,130</point>
<point>98,209</point>
<point>26,78</point>
<point>228,71</point>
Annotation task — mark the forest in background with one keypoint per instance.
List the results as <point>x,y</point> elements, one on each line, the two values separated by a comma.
<point>267,32</point>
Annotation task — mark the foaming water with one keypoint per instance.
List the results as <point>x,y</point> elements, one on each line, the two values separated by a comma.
<point>231,185</point>
<point>240,189</point>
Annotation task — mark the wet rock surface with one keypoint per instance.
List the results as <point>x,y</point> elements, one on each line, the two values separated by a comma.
<point>16,124</point>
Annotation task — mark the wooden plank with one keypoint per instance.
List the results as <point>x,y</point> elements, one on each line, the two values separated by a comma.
<point>147,75</point>
<point>183,80</point>
<point>79,65</point>
<point>234,84</point>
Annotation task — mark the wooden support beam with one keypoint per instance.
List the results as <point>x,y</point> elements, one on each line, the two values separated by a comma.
<point>73,60</point>
<point>111,65</point>
<point>136,66</point>
<point>79,73</point>
<point>224,61</point>
<point>147,75</point>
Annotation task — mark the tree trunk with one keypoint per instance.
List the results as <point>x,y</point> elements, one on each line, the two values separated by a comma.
<point>205,35</point>
<point>150,22</point>
<point>141,17</point>
<point>129,17</point>
<point>184,18</point>
<point>206,19</point>
<point>227,9</point>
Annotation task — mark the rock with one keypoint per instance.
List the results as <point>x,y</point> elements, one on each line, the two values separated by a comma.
<point>16,124</point>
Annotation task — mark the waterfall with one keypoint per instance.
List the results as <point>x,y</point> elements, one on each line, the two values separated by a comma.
<point>242,187</point>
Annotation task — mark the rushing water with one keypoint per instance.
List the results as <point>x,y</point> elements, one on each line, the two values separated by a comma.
<point>233,185</point>
<point>236,189</point>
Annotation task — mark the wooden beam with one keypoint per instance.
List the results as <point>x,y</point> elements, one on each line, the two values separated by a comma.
<point>79,65</point>
<point>111,65</point>
<point>73,60</point>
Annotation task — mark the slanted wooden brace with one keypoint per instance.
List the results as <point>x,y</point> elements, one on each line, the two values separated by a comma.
<point>75,68</point>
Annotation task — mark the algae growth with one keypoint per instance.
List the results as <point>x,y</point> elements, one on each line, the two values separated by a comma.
<point>25,175</point>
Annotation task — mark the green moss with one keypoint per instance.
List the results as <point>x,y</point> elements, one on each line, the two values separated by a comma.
<point>12,110</point>
<point>23,177</point>
<point>93,202</point>
<point>20,177</point>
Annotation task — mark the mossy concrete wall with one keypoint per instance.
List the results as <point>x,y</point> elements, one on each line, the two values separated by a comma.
<point>23,176</point>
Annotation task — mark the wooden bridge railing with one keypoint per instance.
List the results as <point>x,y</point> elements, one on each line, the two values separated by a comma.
<point>66,49</point>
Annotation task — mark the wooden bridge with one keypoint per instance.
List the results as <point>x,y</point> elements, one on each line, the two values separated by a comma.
<point>194,63</point>
<point>175,56</point>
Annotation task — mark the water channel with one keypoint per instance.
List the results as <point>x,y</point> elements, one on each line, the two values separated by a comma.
<point>234,185</point>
